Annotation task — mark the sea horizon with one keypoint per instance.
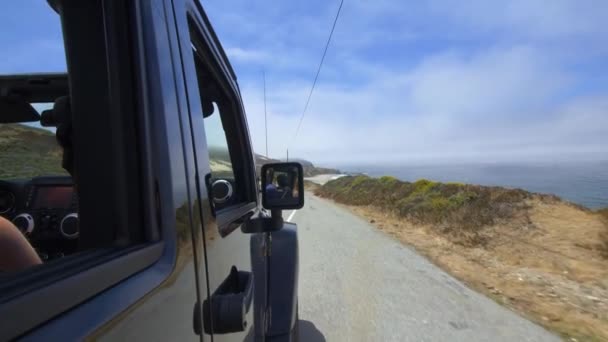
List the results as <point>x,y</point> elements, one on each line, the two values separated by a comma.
<point>581,182</point>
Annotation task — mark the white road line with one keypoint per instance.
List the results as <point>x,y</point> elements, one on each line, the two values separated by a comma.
<point>291,216</point>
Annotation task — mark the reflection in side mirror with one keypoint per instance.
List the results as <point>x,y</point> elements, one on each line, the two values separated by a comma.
<point>282,186</point>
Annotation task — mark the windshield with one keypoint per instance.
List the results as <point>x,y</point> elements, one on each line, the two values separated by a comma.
<point>36,59</point>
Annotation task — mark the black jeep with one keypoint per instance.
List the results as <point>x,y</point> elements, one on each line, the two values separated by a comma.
<point>132,177</point>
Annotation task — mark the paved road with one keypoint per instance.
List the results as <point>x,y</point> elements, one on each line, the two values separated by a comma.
<point>357,284</point>
<point>322,179</point>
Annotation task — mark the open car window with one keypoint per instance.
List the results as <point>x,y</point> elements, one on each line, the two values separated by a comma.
<point>71,201</point>
<point>38,199</point>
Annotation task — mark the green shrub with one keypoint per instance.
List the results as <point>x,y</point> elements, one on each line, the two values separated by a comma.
<point>359,180</point>
<point>423,186</point>
<point>388,181</point>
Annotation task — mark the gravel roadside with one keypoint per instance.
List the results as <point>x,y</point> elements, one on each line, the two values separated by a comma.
<point>358,284</point>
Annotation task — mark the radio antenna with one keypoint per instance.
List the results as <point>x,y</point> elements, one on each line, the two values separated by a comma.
<point>265,114</point>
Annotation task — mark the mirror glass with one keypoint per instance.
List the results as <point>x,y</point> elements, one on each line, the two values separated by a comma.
<point>282,186</point>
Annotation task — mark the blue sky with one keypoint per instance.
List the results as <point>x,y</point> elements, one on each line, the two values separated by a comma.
<point>403,81</point>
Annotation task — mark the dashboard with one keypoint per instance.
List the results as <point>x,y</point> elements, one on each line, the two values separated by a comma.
<point>45,210</point>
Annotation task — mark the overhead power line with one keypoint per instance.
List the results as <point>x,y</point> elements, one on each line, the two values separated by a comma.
<point>318,70</point>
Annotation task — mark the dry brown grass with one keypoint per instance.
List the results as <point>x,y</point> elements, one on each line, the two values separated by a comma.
<point>603,245</point>
<point>553,275</point>
<point>311,186</point>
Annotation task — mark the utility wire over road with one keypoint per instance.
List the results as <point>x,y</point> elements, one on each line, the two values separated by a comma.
<point>318,72</point>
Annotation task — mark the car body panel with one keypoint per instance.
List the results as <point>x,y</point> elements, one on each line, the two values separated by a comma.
<point>223,250</point>
<point>162,295</point>
<point>283,264</point>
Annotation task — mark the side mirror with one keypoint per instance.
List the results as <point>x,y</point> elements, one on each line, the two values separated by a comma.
<point>282,186</point>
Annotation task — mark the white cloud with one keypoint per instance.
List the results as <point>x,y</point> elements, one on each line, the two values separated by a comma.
<point>502,104</point>
<point>499,81</point>
<point>437,80</point>
<point>246,55</point>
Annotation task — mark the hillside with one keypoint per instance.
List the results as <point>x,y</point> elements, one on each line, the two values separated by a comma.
<point>460,210</point>
<point>26,152</point>
<point>534,253</point>
<point>309,168</point>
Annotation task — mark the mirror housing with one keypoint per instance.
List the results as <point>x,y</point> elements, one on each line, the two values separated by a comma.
<point>282,186</point>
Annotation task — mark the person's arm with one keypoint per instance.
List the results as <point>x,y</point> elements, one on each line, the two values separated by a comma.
<point>16,253</point>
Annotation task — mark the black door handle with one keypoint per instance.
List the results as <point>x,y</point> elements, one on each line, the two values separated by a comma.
<point>228,306</point>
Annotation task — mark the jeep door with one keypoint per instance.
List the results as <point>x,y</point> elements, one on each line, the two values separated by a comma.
<point>225,170</point>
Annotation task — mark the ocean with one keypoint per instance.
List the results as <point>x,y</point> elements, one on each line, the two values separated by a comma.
<point>584,183</point>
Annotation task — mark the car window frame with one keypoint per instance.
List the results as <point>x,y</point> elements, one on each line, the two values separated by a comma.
<point>46,291</point>
<point>203,38</point>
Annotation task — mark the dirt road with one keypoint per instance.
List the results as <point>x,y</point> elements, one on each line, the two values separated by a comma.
<point>358,284</point>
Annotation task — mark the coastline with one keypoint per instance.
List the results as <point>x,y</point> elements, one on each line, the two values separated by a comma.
<point>582,182</point>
